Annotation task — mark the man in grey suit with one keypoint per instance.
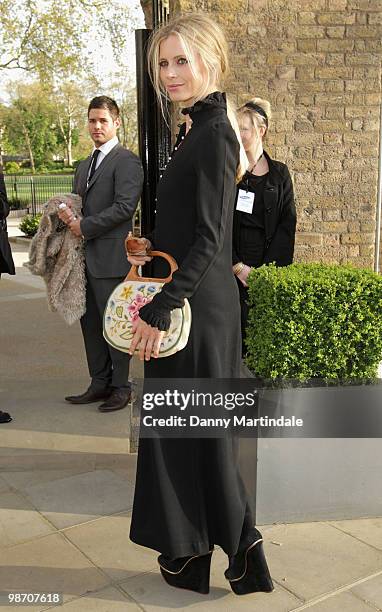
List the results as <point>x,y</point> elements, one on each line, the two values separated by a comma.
<point>110,184</point>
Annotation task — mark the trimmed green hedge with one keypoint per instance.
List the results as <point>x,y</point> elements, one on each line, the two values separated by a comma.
<point>30,223</point>
<point>314,321</point>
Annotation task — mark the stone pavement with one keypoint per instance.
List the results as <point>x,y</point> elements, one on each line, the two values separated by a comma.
<point>66,490</point>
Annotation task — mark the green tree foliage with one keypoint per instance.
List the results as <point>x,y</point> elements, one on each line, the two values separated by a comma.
<point>70,106</point>
<point>124,91</point>
<point>12,167</point>
<point>30,123</point>
<point>49,37</point>
<point>55,41</point>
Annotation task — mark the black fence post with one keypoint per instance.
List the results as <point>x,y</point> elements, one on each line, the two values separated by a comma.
<point>146,110</point>
<point>154,134</point>
<point>33,196</point>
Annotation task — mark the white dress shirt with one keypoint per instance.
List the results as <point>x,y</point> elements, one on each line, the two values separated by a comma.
<point>104,150</point>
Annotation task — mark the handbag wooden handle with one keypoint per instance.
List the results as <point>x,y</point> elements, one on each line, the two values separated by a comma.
<point>133,272</point>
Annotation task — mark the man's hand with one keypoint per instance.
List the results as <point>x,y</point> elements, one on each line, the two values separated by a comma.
<point>69,218</point>
<point>66,214</point>
<point>146,338</point>
<point>75,227</point>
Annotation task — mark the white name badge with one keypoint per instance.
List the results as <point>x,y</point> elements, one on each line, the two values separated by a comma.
<point>245,201</point>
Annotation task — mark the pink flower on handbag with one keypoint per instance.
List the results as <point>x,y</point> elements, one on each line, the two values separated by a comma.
<point>134,307</point>
<point>141,299</point>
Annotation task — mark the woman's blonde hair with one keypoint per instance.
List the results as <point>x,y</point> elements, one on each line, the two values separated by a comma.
<point>199,35</point>
<point>259,112</point>
<point>257,118</point>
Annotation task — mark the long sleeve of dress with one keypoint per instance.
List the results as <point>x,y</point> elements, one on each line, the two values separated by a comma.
<point>215,170</point>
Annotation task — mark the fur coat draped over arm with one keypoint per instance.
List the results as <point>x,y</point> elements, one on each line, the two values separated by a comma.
<point>57,255</point>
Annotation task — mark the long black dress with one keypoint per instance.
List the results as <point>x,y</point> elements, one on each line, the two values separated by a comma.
<point>189,493</point>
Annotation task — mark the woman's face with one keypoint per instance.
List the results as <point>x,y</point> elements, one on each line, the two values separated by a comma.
<point>249,133</point>
<point>175,73</point>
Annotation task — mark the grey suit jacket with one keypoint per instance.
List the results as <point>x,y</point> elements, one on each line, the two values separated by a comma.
<point>108,205</point>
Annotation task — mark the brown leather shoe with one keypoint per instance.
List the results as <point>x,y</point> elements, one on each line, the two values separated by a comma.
<point>89,396</point>
<point>118,399</point>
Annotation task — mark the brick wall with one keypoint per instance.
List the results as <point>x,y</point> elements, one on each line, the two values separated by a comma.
<point>319,64</point>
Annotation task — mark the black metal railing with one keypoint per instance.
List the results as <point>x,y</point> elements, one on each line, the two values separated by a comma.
<point>161,12</point>
<point>28,194</point>
<point>31,192</point>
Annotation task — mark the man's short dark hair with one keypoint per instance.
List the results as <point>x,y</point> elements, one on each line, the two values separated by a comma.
<point>105,102</point>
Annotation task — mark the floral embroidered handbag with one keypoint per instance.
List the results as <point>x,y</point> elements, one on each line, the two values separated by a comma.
<point>123,306</point>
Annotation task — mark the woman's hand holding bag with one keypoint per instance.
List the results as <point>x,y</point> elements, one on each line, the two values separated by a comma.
<point>122,327</point>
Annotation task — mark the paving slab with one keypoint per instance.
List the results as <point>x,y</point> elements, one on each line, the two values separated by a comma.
<point>106,600</point>
<point>129,470</point>
<point>106,543</point>
<point>110,461</point>
<point>369,530</point>
<point>13,226</point>
<point>316,558</point>
<point>49,564</point>
<point>82,497</point>
<point>19,520</point>
<point>28,330</point>
<point>39,410</point>
<point>344,602</point>
<point>22,479</point>
<point>4,486</point>
<point>15,459</point>
<point>13,288</point>
<point>153,594</point>
<point>370,591</point>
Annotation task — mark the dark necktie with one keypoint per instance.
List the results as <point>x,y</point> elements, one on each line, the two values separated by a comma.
<point>93,164</point>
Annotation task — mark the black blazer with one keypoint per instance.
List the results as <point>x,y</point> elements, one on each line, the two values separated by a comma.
<point>109,203</point>
<point>279,217</point>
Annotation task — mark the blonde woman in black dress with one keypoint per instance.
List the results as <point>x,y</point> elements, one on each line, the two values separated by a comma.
<point>189,494</point>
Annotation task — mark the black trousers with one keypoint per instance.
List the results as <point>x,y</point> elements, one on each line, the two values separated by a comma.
<point>107,366</point>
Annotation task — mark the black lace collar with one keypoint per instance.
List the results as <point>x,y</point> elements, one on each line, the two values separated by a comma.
<point>217,100</point>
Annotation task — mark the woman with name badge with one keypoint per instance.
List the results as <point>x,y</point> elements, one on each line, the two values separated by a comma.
<point>265,215</point>
<point>189,495</point>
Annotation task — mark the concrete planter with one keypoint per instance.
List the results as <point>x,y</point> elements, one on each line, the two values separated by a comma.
<point>318,479</point>
<point>308,479</point>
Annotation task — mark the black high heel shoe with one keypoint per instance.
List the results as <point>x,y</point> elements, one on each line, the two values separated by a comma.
<point>248,570</point>
<point>192,573</point>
